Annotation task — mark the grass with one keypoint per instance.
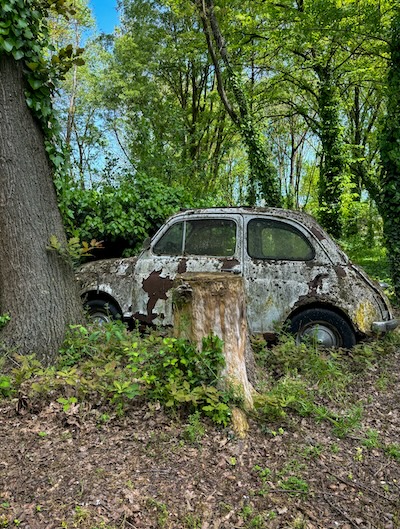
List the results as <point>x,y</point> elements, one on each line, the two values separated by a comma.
<point>308,382</point>
<point>371,257</point>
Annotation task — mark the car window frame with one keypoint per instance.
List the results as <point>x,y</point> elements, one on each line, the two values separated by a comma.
<point>183,253</point>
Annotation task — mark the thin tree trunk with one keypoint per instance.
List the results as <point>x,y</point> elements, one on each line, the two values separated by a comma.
<point>263,181</point>
<point>37,286</point>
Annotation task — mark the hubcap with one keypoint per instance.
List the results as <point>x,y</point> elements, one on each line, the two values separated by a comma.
<point>100,317</point>
<point>321,334</point>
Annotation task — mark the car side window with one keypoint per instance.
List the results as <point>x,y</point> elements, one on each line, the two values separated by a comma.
<point>214,237</point>
<point>171,243</point>
<point>275,240</point>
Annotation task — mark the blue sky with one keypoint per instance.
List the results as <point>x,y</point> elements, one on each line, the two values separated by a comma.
<point>105,13</point>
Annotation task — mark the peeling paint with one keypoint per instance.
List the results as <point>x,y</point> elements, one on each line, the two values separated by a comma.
<point>182,266</point>
<point>318,233</point>
<point>275,288</point>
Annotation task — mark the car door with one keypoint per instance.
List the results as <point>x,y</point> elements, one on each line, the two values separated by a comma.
<point>203,243</point>
<point>283,265</point>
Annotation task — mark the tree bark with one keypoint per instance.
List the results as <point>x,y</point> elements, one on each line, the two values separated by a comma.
<point>37,286</point>
<point>214,303</point>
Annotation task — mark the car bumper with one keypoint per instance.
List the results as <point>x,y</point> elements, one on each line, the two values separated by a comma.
<point>384,326</point>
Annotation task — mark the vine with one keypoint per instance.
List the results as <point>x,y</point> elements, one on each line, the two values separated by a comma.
<point>333,164</point>
<point>390,156</point>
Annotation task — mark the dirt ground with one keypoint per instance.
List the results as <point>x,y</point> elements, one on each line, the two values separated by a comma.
<point>90,470</point>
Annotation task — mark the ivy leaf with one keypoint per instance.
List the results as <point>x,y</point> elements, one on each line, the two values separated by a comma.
<point>8,45</point>
<point>28,34</point>
<point>18,54</point>
<point>35,83</point>
<point>33,65</point>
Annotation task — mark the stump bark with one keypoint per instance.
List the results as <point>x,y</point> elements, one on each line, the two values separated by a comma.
<point>214,302</point>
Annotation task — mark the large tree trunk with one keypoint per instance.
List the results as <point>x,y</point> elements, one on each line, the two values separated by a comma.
<point>37,287</point>
<point>214,303</point>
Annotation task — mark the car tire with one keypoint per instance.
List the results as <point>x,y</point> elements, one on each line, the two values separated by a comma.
<point>101,311</point>
<point>324,327</point>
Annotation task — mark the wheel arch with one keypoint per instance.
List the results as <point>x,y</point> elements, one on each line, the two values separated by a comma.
<point>100,295</point>
<point>326,306</point>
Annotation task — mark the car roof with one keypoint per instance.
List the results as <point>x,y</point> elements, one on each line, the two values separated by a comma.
<point>279,213</point>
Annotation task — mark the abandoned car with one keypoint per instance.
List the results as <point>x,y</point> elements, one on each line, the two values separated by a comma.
<point>293,273</point>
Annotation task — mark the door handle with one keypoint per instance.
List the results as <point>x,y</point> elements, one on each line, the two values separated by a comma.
<point>234,270</point>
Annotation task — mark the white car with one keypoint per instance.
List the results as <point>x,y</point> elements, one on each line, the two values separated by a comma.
<point>294,274</point>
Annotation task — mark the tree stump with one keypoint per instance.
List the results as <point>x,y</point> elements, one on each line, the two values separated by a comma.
<point>214,302</point>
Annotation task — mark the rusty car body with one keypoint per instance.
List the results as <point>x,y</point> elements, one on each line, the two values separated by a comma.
<point>293,274</point>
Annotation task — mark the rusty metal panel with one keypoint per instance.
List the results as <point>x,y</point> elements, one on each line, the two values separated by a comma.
<point>275,288</point>
<point>112,276</point>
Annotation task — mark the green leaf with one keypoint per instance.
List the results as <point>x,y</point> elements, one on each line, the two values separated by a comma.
<point>35,83</point>
<point>33,65</point>
<point>18,54</point>
<point>8,45</point>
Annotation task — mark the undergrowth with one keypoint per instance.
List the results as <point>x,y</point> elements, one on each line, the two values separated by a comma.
<point>307,381</point>
<point>111,369</point>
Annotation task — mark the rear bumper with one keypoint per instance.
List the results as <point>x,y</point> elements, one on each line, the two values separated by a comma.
<point>384,326</point>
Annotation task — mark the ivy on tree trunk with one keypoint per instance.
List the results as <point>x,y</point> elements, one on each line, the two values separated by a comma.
<point>263,178</point>
<point>389,203</point>
<point>38,290</point>
<point>333,162</point>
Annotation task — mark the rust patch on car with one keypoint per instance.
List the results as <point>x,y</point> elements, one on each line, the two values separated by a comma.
<point>319,235</point>
<point>156,287</point>
<point>340,271</point>
<point>228,264</point>
<point>182,266</point>
<point>315,284</point>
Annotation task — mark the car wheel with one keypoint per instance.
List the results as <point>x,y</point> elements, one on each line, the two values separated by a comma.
<point>101,311</point>
<point>323,327</point>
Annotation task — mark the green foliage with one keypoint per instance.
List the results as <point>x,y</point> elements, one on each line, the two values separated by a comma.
<point>372,439</point>
<point>194,431</point>
<point>121,215</point>
<point>390,155</point>
<point>294,485</point>
<point>287,394</point>
<point>370,255</point>
<point>333,164</point>
<point>67,403</point>
<point>393,450</point>
<point>348,422</point>
<point>82,344</point>
<point>5,386</point>
<point>182,376</point>
<point>75,250</point>
<point>112,367</point>
<point>289,358</point>
<point>310,383</point>
<point>4,319</point>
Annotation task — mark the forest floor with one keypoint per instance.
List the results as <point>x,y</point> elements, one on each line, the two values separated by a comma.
<point>83,469</point>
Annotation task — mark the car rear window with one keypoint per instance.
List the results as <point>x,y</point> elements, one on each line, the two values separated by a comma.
<point>275,240</point>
